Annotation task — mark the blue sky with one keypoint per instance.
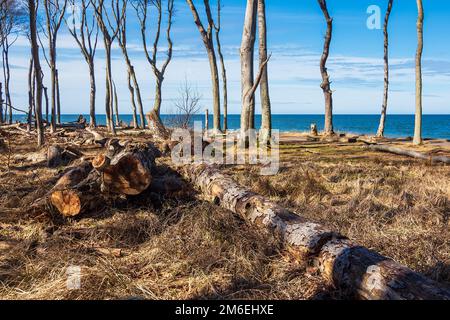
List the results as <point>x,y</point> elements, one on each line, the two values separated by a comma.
<point>295,37</point>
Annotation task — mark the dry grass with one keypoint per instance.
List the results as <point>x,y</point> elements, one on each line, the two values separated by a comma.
<point>397,206</point>
<point>144,247</point>
<point>148,247</point>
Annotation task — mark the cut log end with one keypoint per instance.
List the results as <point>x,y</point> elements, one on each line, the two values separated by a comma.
<point>129,176</point>
<point>101,162</point>
<point>67,202</point>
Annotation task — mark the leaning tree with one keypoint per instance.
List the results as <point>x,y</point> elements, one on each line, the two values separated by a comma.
<point>325,85</point>
<point>380,132</point>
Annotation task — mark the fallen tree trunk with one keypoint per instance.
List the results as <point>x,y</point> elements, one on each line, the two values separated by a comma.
<point>356,270</point>
<point>126,169</point>
<point>409,153</point>
<point>76,191</point>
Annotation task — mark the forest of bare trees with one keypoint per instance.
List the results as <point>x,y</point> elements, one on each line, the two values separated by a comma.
<point>107,22</point>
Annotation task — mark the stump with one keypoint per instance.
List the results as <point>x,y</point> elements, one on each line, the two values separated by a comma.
<point>314,131</point>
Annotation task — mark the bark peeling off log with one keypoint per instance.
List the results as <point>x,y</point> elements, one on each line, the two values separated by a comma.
<point>369,275</point>
<point>353,269</point>
<point>305,236</point>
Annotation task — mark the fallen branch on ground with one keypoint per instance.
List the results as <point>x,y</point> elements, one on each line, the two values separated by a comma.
<point>410,153</point>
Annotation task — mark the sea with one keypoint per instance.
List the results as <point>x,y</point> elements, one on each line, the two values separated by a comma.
<point>434,126</point>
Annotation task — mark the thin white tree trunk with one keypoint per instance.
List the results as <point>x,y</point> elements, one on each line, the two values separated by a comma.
<point>418,118</point>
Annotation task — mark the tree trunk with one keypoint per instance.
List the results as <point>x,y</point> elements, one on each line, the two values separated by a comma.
<point>116,105</point>
<point>246,52</point>
<point>58,98</point>
<point>224,82</point>
<point>53,90</point>
<point>92,119</point>
<point>380,132</point>
<point>418,117</point>
<point>1,103</point>
<point>328,94</point>
<point>132,97</point>
<point>126,170</point>
<point>139,98</point>
<point>46,104</point>
<point>410,153</point>
<point>30,94</point>
<point>355,270</point>
<point>109,104</point>
<point>38,71</point>
<point>266,114</point>
<point>154,116</point>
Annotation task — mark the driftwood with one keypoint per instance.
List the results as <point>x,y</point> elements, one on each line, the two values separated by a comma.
<point>355,269</point>
<point>410,153</point>
<point>76,191</point>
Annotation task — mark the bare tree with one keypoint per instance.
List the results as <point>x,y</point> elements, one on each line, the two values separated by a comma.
<point>266,117</point>
<point>380,132</point>
<point>133,85</point>
<point>54,14</point>
<point>323,70</point>
<point>208,41</point>
<point>418,117</point>
<point>217,27</point>
<point>11,19</point>
<point>142,11</point>
<point>109,31</point>
<point>116,104</point>
<point>38,71</point>
<point>187,105</point>
<point>247,72</point>
<point>86,39</point>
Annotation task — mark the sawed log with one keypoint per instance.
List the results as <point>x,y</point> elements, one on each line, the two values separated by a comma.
<point>77,190</point>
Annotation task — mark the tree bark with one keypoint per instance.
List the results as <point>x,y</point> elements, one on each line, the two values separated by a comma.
<point>30,94</point>
<point>328,94</point>
<point>92,119</point>
<point>247,73</point>
<point>266,113</point>
<point>380,132</point>
<point>58,98</point>
<point>357,271</point>
<point>224,70</point>
<point>116,105</point>
<point>38,72</point>
<point>418,117</point>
